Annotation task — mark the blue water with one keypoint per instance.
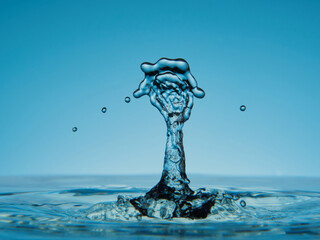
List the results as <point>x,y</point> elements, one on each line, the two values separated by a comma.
<point>114,207</point>
<point>54,207</point>
<point>171,88</point>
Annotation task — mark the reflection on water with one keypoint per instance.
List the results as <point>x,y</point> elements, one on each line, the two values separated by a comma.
<point>56,207</point>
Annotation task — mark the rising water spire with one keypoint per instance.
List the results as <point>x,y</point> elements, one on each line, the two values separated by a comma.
<point>171,88</point>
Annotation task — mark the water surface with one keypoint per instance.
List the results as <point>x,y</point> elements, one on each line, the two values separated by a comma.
<point>53,208</point>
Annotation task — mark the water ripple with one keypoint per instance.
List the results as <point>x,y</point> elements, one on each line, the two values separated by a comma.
<point>275,214</point>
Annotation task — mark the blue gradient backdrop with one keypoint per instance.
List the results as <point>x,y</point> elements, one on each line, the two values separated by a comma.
<point>62,61</point>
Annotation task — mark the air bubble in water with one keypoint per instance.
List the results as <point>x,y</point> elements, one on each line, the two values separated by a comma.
<point>74,129</point>
<point>243,108</point>
<point>104,110</point>
<point>243,203</point>
<point>127,99</point>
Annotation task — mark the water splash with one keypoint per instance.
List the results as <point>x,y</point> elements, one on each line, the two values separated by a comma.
<point>45,207</point>
<point>171,88</point>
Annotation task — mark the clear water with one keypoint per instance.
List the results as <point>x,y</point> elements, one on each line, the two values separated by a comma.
<point>55,207</point>
<point>171,88</point>
<point>123,207</point>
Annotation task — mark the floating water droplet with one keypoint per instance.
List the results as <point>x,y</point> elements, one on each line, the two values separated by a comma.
<point>243,203</point>
<point>74,129</point>
<point>127,99</point>
<point>243,108</point>
<point>104,110</point>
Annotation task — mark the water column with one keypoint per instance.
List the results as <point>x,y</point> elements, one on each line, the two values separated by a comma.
<point>171,88</point>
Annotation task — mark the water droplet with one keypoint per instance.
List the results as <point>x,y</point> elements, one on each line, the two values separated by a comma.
<point>227,195</point>
<point>104,110</point>
<point>74,129</point>
<point>243,203</point>
<point>236,197</point>
<point>243,108</point>
<point>127,99</point>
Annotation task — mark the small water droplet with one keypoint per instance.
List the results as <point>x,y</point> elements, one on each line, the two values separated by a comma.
<point>227,195</point>
<point>236,197</point>
<point>74,129</point>
<point>104,110</point>
<point>243,203</point>
<point>243,108</point>
<point>127,99</point>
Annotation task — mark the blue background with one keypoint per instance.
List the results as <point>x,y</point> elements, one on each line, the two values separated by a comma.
<point>62,61</point>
